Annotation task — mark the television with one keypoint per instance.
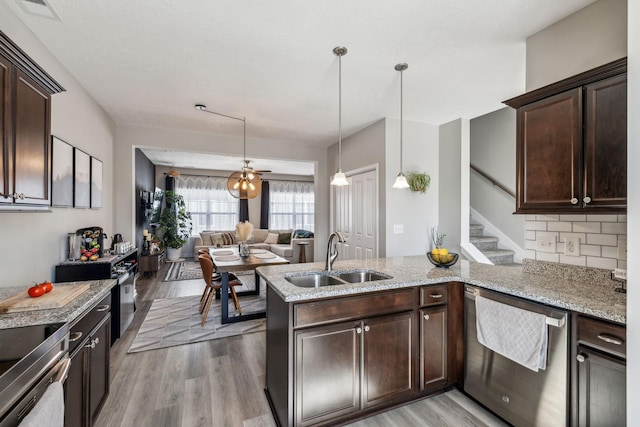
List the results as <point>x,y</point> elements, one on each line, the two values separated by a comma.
<point>156,206</point>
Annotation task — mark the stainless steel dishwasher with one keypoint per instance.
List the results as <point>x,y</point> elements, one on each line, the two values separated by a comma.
<point>519,395</point>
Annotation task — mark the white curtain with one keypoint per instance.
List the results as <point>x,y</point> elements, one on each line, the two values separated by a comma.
<point>210,204</point>
<point>291,205</point>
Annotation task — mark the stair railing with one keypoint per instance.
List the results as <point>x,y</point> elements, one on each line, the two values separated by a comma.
<point>493,181</point>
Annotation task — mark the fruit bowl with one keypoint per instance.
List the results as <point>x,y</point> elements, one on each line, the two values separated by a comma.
<point>447,262</point>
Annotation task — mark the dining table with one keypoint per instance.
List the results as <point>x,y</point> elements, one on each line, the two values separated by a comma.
<point>228,260</point>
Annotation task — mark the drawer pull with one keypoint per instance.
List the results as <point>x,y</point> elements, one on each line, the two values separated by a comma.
<point>358,330</point>
<point>103,307</point>
<point>426,317</point>
<point>367,328</point>
<point>610,339</point>
<point>75,336</point>
<point>436,296</point>
<point>581,358</point>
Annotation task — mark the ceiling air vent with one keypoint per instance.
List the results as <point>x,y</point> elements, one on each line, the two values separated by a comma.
<point>40,8</point>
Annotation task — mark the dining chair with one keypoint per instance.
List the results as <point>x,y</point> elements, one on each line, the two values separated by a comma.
<point>206,263</point>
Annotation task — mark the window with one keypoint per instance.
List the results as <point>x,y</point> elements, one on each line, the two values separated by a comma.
<point>291,205</point>
<point>210,204</point>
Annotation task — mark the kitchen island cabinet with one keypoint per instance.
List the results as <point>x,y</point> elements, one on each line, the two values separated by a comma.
<point>600,365</point>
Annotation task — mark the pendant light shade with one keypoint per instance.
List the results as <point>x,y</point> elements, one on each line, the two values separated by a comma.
<point>173,173</point>
<point>246,183</point>
<point>401,179</point>
<point>339,179</point>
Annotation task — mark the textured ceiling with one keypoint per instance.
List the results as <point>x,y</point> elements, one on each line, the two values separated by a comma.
<point>147,62</point>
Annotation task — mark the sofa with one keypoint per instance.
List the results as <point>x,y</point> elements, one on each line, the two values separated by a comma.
<point>281,242</point>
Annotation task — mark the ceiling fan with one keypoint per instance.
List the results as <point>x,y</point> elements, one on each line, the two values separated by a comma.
<point>246,183</point>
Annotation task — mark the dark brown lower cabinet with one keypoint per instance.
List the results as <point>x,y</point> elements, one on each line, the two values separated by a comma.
<point>433,348</point>
<point>343,368</point>
<point>87,385</point>
<point>601,389</point>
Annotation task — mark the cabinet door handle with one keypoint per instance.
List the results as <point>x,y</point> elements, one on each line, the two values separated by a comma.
<point>574,201</point>
<point>436,296</point>
<point>97,340</point>
<point>581,358</point>
<point>103,307</point>
<point>587,199</point>
<point>426,317</point>
<point>358,330</point>
<point>367,328</point>
<point>611,339</point>
<point>75,336</point>
<point>92,345</point>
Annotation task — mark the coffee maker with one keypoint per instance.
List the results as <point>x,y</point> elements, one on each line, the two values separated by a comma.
<point>117,238</point>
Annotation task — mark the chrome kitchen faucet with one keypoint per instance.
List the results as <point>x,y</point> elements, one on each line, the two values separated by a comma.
<point>332,250</point>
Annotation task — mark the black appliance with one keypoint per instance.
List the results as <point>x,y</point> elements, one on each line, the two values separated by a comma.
<point>117,238</point>
<point>30,357</point>
<point>92,240</point>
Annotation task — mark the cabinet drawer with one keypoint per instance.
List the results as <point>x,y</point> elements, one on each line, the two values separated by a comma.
<point>340,309</point>
<point>87,322</point>
<point>433,295</point>
<point>603,335</point>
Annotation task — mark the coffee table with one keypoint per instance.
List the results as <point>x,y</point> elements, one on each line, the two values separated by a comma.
<point>229,263</point>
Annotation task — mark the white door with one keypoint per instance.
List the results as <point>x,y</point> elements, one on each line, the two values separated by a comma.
<point>356,216</point>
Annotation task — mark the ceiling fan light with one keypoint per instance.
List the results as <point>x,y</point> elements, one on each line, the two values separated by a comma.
<point>173,173</point>
<point>401,181</point>
<point>250,176</point>
<point>251,186</point>
<point>243,186</point>
<point>339,179</point>
<point>236,185</point>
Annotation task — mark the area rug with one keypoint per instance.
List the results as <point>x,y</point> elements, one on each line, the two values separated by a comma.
<point>185,270</point>
<point>176,321</point>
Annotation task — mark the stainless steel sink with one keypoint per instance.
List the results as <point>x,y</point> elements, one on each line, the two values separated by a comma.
<point>362,276</point>
<point>320,278</point>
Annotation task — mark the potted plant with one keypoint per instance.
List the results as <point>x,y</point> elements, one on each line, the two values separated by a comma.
<point>419,182</point>
<point>175,225</point>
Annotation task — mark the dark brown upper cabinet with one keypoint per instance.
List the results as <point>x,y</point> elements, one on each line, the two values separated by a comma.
<point>571,153</point>
<point>25,128</point>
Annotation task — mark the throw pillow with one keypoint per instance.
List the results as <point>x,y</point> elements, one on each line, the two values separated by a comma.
<point>272,238</point>
<point>302,234</point>
<point>229,238</point>
<point>284,238</point>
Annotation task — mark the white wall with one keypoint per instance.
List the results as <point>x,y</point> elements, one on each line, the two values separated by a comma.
<point>33,243</point>
<point>633,217</point>
<point>451,156</point>
<point>493,150</point>
<point>131,137</point>
<point>590,37</point>
<point>416,212</point>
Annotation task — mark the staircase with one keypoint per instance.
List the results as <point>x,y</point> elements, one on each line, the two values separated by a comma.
<point>488,245</point>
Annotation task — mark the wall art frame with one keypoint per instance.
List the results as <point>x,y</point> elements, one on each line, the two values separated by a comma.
<point>96,183</point>
<point>61,173</point>
<point>82,179</point>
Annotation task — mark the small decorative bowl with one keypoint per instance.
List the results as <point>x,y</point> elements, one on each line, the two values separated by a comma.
<point>440,264</point>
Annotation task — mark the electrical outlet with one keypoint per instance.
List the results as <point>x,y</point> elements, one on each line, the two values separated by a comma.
<point>622,248</point>
<point>620,273</point>
<point>572,246</point>
<point>546,242</point>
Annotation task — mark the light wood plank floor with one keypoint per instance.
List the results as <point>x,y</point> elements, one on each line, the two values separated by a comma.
<point>220,382</point>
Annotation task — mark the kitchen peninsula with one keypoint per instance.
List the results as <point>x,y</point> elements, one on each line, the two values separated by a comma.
<point>345,351</point>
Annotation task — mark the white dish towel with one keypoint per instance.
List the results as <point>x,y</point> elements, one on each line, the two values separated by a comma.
<point>517,334</point>
<point>49,411</point>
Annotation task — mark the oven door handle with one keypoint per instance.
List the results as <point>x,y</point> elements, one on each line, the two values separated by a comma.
<point>62,367</point>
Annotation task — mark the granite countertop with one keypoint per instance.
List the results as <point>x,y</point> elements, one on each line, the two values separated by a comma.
<point>98,289</point>
<point>596,298</point>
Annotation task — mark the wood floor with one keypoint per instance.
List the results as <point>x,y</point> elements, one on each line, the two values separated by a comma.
<point>220,382</point>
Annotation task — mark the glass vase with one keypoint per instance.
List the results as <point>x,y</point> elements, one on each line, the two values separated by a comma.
<point>243,248</point>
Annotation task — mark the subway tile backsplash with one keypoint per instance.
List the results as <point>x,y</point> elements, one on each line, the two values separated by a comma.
<point>602,239</point>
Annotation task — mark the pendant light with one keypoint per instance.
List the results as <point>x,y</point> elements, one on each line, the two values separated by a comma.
<point>401,179</point>
<point>173,173</point>
<point>339,179</point>
<point>244,184</point>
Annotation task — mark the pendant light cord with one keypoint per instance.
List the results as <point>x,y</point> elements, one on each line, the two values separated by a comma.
<point>401,91</point>
<point>340,112</point>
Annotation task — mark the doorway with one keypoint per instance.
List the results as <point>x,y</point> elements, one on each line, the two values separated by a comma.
<point>355,215</point>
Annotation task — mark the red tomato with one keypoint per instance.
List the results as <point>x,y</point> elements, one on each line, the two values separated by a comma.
<point>36,291</point>
<point>47,286</point>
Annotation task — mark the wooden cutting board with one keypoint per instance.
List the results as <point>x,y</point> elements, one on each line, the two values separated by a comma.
<point>59,296</point>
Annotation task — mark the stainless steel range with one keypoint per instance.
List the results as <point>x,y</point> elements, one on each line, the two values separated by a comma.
<point>30,358</point>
